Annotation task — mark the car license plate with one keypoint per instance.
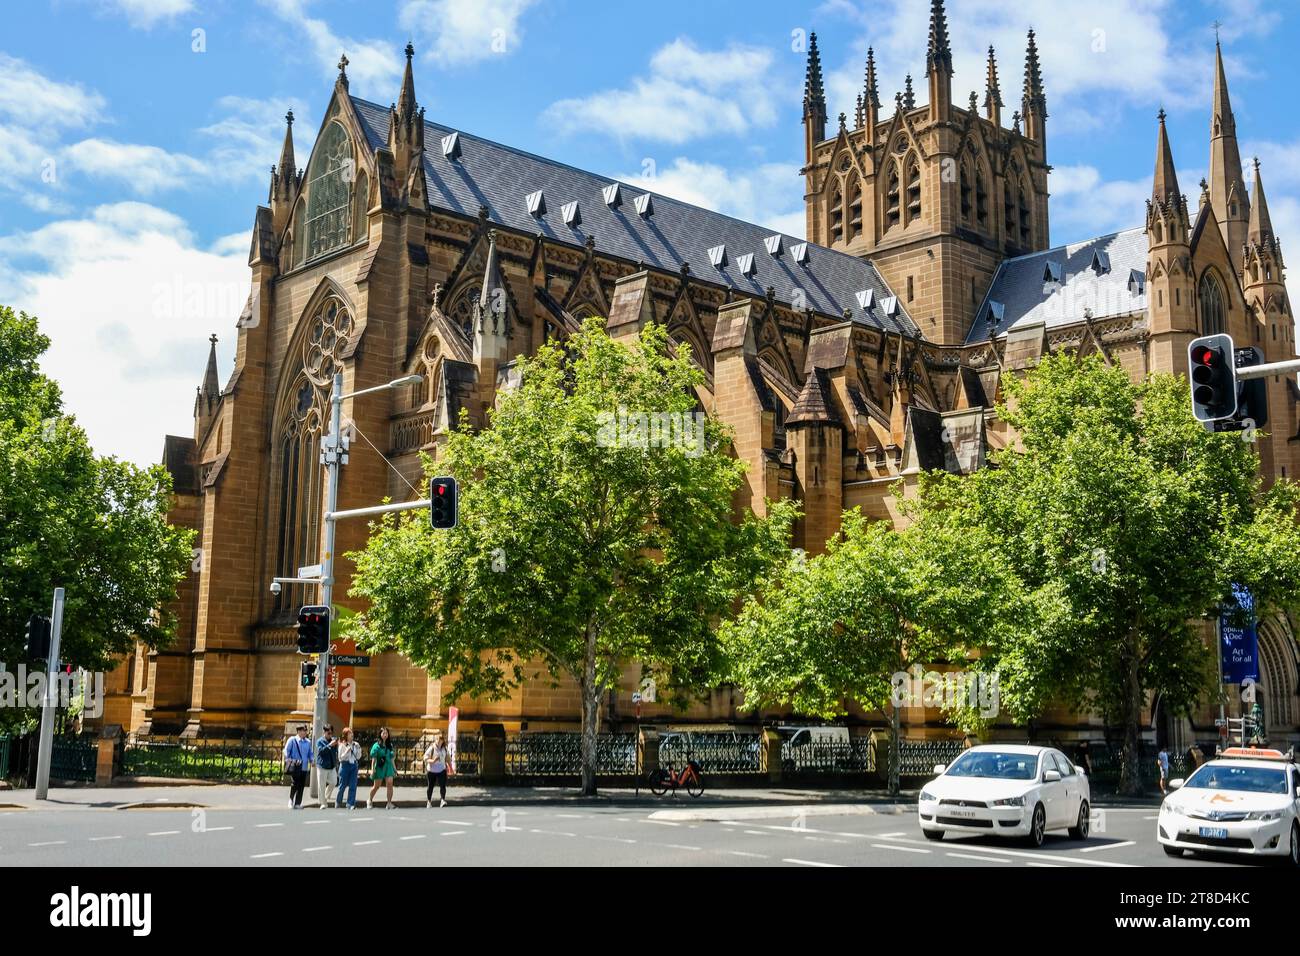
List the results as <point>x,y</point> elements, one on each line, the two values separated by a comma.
<point>1215,833</point>
<point>962,813</point>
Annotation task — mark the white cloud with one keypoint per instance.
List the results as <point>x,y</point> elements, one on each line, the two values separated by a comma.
<point>374,66</point>
<point>128,300</point>
<point>690,93</point>
<point>463,32</point>
<point>31,99</point>
<point>146,13</point>
<point>146,169</point>
<point>1084,205</point>
<point>768,195</point>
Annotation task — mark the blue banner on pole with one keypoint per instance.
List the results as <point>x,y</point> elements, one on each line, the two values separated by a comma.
<point>1238,643</point>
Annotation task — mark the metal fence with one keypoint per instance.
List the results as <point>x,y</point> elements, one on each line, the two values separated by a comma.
<point>916,758</point>
<point>855,755</point>
<point>716,752</point>
<point>560,754</point>
<point>5,749</point>
<point>1106,761</point>
<point>408,755</point>
<point>74,758</point>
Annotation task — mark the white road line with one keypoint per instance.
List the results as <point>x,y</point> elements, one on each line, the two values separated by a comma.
<point>310,823</point>
<point>898,834</point>
<point>53,842</point>
<point>314,849</point>
<point>365,842</point>
<point>902,849</point>
<point>1056,866</point>
<point>452,833</point>
<point>824,840</point>
<point>215,829</point>
<point>982,859</point>
<point>1107,846</point>
<point>809,862</point>
<point>662,823</point>
<point>97,839</point>
<point>756,832</point>
<point>1034,855</point>
<point>761,856</point>
<point>415,836</point>
<point>457,823</point>
<point>572,816</point>
<point>263,856</point>
<point>677,846</point>
<point>1151,818</point>
<point>593,836</point>
<point>553,832</point>
<point>164,833</point>
<point>359,819</point>
<point>263,826</point>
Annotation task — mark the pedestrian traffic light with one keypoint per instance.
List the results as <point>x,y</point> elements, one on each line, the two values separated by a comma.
<point>313,630</point>
<point>443,502</point>
<point>308,673</point>
<point>38,637</point>
<point>1212,369</point>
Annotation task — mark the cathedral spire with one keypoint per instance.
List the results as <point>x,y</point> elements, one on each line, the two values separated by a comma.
<point>938,64</point>
<point>406,99</point>
<point>1035,100</point>
<point>992,91</point>
<point>492,327</point>
<point>287,167</point>
<point>211,385</point>
<point>1228,195</point>
<point>1261,223</point>
<point>406,132</point>
<point>1165,189</point>
<point>814,100</point>
<point>284,180</point>
<point>872,97</point>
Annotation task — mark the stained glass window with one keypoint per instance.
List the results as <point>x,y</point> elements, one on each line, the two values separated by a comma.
<point>329,192</point>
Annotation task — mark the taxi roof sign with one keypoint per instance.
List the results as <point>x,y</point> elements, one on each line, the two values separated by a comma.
<point>1255,753</point>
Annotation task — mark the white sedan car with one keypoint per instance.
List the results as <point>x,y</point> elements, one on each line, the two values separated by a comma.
<point>1247,801</point>
<point>1006,791</point>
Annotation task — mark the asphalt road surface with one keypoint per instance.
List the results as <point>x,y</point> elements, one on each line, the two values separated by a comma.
<point>552,835</point>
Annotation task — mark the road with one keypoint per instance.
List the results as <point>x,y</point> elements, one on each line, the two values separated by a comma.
<point>551,835</point>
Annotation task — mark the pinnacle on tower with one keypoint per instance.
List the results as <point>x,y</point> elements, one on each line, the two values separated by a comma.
<point>1228,197</point>
<point>814,93</point>
<point>343,71</point>
<point>406,99</point>
<point>992,91</point>
<point>1261,223</point>
<point>287,167</point>
<point>909,96</point>
<point>939,55</point>
<point>859,118</point>
<point>872,98</point>
<point>1165,189</point>
<point>211,385</point>
<point>1034,105</point>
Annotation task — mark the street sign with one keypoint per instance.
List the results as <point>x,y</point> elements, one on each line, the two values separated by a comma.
<point>349,660</point>
<point>311,571</point>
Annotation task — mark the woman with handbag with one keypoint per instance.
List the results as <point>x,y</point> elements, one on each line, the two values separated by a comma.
<point>349,759</point>
<point>436,764</point>
<point>382,767</point>
<point>297,764</point>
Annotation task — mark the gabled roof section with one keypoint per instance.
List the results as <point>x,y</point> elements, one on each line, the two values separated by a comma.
<point>499,177</point>
<point>1022,298</point>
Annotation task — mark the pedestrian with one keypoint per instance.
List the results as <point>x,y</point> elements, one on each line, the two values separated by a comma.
<point>436,763</point>
<point>1162,761</point>
<point>382,767</point>
<point>349,758</point>
<point>1085,758</point>
<point>327,759</point>
<point>297,763</point>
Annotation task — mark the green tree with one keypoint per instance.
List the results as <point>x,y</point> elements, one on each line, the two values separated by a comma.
<point>840,627</point>
<point>576,547</point>
<point>95,526</point>
<point>1125,522</point>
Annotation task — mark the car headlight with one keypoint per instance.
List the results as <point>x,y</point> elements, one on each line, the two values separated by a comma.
<point>928,797</point>
<point>1008,802</point>
<point>1264,815</point>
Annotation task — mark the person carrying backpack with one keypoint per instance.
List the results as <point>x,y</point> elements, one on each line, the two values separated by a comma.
<point>327,762</point>
<point>297,764</point>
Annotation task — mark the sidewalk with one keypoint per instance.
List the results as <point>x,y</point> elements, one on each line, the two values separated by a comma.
<point>162,795</point>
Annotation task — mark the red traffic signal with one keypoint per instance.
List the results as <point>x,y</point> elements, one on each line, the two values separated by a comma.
<point>313,630</point>
<point>1211,368</point>
<point>443,502</point>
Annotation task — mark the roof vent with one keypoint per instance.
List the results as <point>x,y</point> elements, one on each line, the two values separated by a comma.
<point>800,252</point>
<point>613,196</point>
<point>745,264</point>
<point>572,214</point>
<point>1100,262</point>
<point>718,256</point>
<point>451,146</point>
<point>890,305</point>
<point>865,298</point>
<point>998,311</point>
<point>644,205</point>
<point>773,244</point>
<point>1053,272</point>
<point>1137,282</point>
<point>536,204</point>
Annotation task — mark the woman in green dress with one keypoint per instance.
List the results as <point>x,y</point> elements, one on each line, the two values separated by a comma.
<point>382,767</point>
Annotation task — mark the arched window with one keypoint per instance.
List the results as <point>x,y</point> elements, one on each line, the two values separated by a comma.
<point>301,418</point>
<point>893,206</point>
<point>913,190</point>
<point>855,207</point>
<point>837,215</point>
<point>1009,211</point>
<point>981,198</point>
<point>967,193</point>
<point>360,205</point>
<point>1214,312</point>
<point>1026,224</point>
<point>329,192</point>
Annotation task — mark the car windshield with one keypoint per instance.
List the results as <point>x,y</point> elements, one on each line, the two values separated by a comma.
<point>997,764</point>
<point>1250,779</point>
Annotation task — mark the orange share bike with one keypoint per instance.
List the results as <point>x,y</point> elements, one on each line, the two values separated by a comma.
<point>662,780</point>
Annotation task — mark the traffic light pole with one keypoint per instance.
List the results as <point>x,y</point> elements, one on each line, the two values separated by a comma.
<point>1272,368</point>
<point>51,689</point>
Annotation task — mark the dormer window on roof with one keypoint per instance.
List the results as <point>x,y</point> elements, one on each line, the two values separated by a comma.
<point>865,298</point>
<point>890,305</point>
<point>745,264</point>
<point>644,206</point>
<point>773,244</point>
<point>536,204</point>
<point>1137,282</point>
<point>997,311</point>
<point>800,252</point>
<point>718,256</point>
<point>612,195</point>
<point>451,146</point>
<point>572,214</point>
<point>1101,262</point>
<point>1053,272</point>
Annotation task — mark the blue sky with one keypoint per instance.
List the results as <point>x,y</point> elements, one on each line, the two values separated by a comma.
<point>136,135</point>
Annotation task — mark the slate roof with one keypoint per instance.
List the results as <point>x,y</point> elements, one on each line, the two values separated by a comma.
<point>500,177</point>
<point>816,403</point>
<point>1027,300</point>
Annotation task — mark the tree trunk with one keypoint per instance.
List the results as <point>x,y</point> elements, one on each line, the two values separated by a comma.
<point>1130,768</point>
<point>895,753</point>
<point>590,714</point>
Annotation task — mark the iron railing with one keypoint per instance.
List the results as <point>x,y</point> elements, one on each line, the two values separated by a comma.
<point>855,755</point>
<point>74,758</point>
<point>916,758</point>
<point>716,752</point>
<point>560,754</point>
<point>408,755</point>
<point>4,755</point>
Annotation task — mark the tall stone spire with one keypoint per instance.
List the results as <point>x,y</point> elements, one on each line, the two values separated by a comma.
<point>1034,106</point>
<point>208,394</point>
<point>406,129</point>
<point>284,180</point>
<point>1171,277</point>
<point>406,99</point>
<point>1228,195</point>
<point>1164,190</point>
<point>1261,223</point>
<point>993,92</point>
<point>938,64</point>
<point>211,385</point>
<point>814,100</point>
<point>870,98</point>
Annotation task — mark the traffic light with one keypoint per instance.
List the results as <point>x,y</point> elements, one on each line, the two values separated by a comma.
<point>1252,395</point>
<point>307,673</point>
<point>443,502</point>
<point>313,630</point>
<point>1212,370</point>
<point>38,637</point>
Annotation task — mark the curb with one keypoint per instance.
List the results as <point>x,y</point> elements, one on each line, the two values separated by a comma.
<point>722,814</point>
